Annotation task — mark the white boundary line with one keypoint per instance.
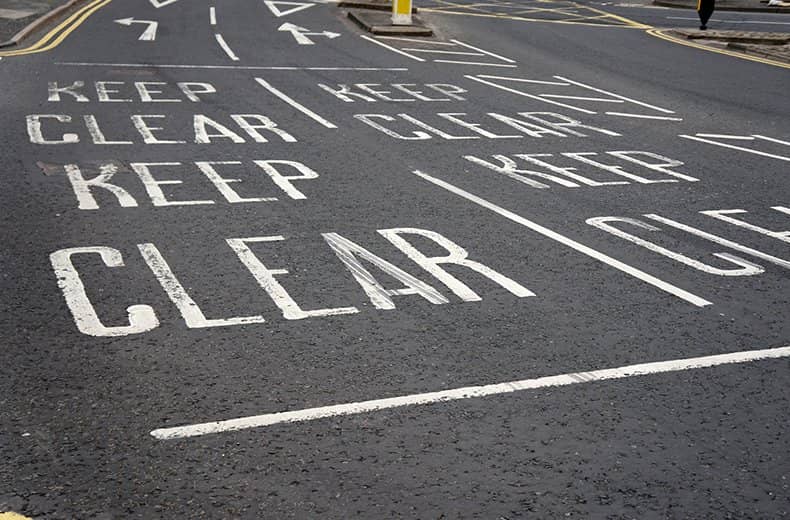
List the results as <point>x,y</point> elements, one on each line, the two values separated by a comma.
<point>531,96</point>
<point>553,235</point>
<point>643,116</point>
<point>298,106</point>
<point>225,47</point>
<point>477,64</point>
<point>507,60</point>
<point>225,67</point>
<point>469,392</point>
<point>618,96</point>
<point>389,47</point>
<point>212,15</point>
<point>747,150</point>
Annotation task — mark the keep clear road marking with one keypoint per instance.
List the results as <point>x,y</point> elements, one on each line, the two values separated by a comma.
<point>469,392</point>
<point>553,235</point>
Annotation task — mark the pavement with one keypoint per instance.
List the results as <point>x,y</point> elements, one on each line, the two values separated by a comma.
<point>756,6</point>
<point>258,263</point>
<point>771,45</point>
<point>15,15</point>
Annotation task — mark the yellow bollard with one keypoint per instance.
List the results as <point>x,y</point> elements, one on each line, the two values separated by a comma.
<point>401,12</point>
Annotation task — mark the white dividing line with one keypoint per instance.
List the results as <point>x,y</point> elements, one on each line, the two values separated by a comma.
<point>742,149</point>
<point>393,49</point>
<point>531,96</point>
<point>298,106</point>
<point>438,51</point>
<point>643,116</point>
<point>553,235</point>
<point>225,47</point>
<point>522,80</point>
<point>728,21</point>
<point>477,64</point>
<point>471,392</point>
<point>212,16</point>
<point>731,137</point>
<point>228,67</point>
<point>582,98</point>
<point>507,60</point>
<point>618,96</point>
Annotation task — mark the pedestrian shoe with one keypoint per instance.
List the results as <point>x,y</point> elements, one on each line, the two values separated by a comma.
<point>703,27</point>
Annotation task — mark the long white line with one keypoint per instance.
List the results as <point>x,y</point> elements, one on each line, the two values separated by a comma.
<point>298,106</point>
<point>477,64</point>
<point>393,49</point>
<point>225,67</point>
<point>643,116</point>
<point>212,15</point>
<point>531,96</point>
<point>439,51</point>
<point>469,392</point>
<point>523,80</point>
<point>225,47</point>
<point>601,91</point>
<point>747,150</point>
<point>582,98</point>
<point>508,60</point>
<point>553,235</point>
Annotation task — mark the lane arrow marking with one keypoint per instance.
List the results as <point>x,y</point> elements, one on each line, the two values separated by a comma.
<point>301,34</point>
<point>149,34</point>
<point>276,11</point>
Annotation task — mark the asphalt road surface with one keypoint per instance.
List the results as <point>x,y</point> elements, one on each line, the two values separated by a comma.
<point>257,264</point>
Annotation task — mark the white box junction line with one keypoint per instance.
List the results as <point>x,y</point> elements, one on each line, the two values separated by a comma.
<point>311,414</point>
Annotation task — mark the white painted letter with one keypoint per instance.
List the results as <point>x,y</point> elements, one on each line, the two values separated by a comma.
<point>265,278</point>
<point>37,137</point>
<point>141,317</point>
<point>347,251</point>
<point>457,255</point>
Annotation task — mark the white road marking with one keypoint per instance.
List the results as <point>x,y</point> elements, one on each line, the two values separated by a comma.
<point>477,63</point>
<point>523,80</point>
<point>531,96</point>
<point>414,40</point>
<point>727,21</point>
<point>225,67</point>
<point>301,108</point>
<point>162,3</point>
<point>393,49</point>
<point>149,34</point>
<point>643,116</point>
<point>618,96</point>
<point>508,60</point>
<point>553,235</point>
<point>439,51</point>
<point>582,98</point>
<point>225,47</point>
<point>294,7</point>
<point>740,148</point>
<point>470,392</point>
<point>212,16</point>
<point>719,240</point>
<point>301,34</point>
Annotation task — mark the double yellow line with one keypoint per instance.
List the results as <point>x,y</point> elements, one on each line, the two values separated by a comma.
<point>54,37</point>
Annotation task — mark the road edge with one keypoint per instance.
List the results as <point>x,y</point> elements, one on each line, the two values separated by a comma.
<point>38,23</point>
